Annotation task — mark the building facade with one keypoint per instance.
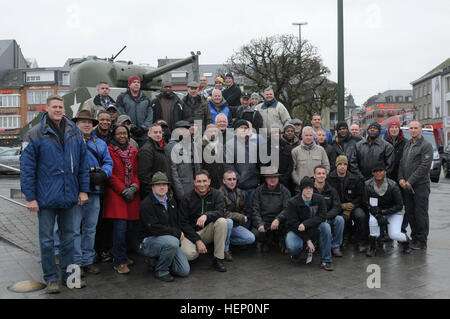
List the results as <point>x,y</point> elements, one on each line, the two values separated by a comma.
<point>432,101</point>
<point>384,105</point>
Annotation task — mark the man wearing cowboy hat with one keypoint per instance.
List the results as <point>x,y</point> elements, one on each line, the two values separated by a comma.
<point>160,232</point>
<point>86,217</point>
<point>269,201</point>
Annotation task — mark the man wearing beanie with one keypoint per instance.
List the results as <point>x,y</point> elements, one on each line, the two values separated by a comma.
<point>370,151</point>
<point>305,213</point>
<point>350,189</point>
<point>138,107</point>
<point>344,143</point>
<point>232,93</point>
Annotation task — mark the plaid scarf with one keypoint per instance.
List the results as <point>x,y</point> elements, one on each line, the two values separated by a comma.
<point>125,156</point>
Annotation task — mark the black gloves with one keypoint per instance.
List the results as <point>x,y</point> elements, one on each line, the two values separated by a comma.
<point>129,193</point>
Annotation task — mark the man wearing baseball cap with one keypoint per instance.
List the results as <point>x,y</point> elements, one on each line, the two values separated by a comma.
<point>138,107</point>
<point>196,106</point>
<point>370,151</point>
<point>248,112</point>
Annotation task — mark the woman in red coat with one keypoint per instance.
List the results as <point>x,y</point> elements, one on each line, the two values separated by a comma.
<point>122,199</point>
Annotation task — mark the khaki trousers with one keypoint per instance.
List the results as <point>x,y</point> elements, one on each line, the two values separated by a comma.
<point>213,232</point>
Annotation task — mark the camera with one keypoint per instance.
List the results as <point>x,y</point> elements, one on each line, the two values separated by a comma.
<point>97,178</point>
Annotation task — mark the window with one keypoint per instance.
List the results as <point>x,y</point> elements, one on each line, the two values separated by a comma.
<point>31,116</point>
<point>409,99</point>
<point>399,99</point>
<point>389,99</point>
<point>207,74</point>
<point>66,79</point>
<point>179,74</point>
<point>9,122</point>
<point>447,84</point>
<point>38,97</point>
<point>448,108</point>
<point>33,78</point>
<point>9,100</point>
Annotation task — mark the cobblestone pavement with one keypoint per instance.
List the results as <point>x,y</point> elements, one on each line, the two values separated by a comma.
<point>422,274</point>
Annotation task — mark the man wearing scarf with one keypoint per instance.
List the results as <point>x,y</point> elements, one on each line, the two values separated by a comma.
<point>344,143</point>
<point>272,111</point>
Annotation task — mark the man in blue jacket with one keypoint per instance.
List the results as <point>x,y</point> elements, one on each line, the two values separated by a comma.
<point>316,123</point>
<point>100,169</point>
<point>54,177</point>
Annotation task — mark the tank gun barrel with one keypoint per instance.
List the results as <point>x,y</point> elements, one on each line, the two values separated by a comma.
<point>169,67</point>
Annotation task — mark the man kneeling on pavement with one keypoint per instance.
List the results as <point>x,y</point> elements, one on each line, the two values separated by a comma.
<point>160,232</point>
<point>203,222</point>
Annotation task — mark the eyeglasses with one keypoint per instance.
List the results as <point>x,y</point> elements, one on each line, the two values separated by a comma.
<point>121,134</point>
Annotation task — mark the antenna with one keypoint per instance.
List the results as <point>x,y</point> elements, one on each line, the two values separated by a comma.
<point>114,57</point>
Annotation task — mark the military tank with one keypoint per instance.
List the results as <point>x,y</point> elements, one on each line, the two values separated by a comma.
<point>87,73</point>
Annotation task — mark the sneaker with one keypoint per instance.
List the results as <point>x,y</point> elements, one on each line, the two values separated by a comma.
<point>122,269</point>
<point>228,256</point>
<point>337,253</point>
<point>106,257</point>
<point>53,287</point>
<point>91,269</point>
<point>418,245</point>
<point>327,266</point>
<point>218,265</point>
<point>166,278</point>
<point>362,249</point>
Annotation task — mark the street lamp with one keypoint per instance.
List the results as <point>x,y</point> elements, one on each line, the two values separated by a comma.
<point>299,30</point>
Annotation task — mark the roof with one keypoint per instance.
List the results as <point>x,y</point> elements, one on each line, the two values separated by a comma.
<point>435,71</point>
<point>12,79</point>
<point>5,44</point>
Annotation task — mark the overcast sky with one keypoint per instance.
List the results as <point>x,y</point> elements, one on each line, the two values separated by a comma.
<point>388,43</point>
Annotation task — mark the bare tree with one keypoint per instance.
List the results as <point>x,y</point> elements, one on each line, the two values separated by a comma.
<point>296,73</point>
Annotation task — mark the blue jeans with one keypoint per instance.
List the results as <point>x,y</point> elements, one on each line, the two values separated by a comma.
<point>120,229</point>
<point>56,236</point>
<point>294,243</point>
<point>86,218</point>
<point>238,236</point>
<point>337,230</point>
<point>248,197</point>
<point>168,254</point>
<point>46,217</point>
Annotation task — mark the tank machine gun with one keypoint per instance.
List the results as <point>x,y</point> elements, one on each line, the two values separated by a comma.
<point>86,73</point>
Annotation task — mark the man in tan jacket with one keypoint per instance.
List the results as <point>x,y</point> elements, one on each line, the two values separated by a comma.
<point>272,111</point>
<point>307,156</point>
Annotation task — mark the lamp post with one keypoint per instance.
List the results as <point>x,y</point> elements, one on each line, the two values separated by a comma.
<point>299,30</point>
<point>341,78</point>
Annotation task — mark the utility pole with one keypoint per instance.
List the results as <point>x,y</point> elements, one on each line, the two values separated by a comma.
<point>299,31</point>
<point>341,78</point>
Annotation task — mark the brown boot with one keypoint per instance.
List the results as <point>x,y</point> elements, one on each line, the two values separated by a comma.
<point>228,256</point>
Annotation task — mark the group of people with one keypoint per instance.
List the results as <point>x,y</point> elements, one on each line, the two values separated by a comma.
<point>169,173</point>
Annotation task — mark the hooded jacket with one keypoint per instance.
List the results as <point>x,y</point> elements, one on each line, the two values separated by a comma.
<point>251,115</point>
<point>51,173</point>
<point>344,145</point>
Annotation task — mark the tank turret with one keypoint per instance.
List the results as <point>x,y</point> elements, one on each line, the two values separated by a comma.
<point>87,73</point>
